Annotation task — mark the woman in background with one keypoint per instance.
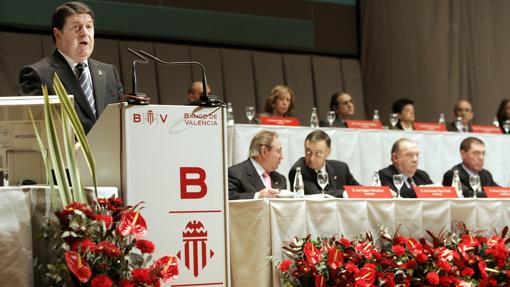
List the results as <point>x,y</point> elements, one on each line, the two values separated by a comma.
<point>404,108</point>
<point>280,103</point>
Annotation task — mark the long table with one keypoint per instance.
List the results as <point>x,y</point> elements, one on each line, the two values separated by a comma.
<point>258,228</point>
<point>366,151</point>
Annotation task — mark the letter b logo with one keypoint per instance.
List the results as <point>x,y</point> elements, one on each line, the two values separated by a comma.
<point>192,182</point>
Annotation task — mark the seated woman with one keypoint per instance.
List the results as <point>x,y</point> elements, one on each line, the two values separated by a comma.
<point>503,113</point>
<point>404,108</point>
<point>280,103</point>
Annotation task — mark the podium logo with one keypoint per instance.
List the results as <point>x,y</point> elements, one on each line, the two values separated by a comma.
<point>192,180</point>
<point>196,254</point>
<point>150,117</point>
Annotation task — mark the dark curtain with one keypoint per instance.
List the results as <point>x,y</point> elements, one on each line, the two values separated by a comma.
<point>436,52</point>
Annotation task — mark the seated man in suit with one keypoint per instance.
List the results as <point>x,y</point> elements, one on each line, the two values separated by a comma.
<point>405,157</point>
<point>463,110</point>
<point>472,152</point>
<point>317,150</point>
<point>94,84</point>
<point>256,177</point>
<point>343,106</point>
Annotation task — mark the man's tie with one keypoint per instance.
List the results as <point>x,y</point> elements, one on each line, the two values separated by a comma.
<point>267,179</point>
<point>86,84</point>
<point>411,182</point>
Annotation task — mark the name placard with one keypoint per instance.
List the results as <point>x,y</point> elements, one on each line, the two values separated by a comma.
<point>362,124</point>
<point>486,129</point>
<point>279,121</point>
<point>434,127</point>
<point>354,191</point>
<point>497,192</point>
<point>435,192</point>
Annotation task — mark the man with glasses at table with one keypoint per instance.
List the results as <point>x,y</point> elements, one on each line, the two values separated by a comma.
<point>472,152</point>
<point>257,177</point>
<point>405,157</point>
<point>317,150</point>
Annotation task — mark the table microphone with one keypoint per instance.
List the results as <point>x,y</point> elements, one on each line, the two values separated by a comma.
<point>205,100</point>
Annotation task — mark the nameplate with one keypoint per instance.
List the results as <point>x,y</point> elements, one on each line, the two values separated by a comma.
<point>361,124</point>
<point>433,127</point>
<point>486,129</point>
<point>435,192</point>
<point>354,191</point>
<point>279,121</point>
<point>497,192</point>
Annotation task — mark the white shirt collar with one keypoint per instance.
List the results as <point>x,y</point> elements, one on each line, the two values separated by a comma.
<point>469,172</point>
<point>260,170</point>
<point>72,63</point>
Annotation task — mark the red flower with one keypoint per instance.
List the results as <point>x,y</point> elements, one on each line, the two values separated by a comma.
<point>83,246</point>
<point>313,255</point>
<point>433,278</point>
<point>115,203</point>
<point>107,219</point>
<point>469,240</point>
<point>398,250</point>
<point>284,266</point>
<point>345,242</point>
<point>101,281</point>
<point>483,272</point>
<point>467,272</point>
<point>365,249</point>
<point>126,283</point>
<point>320,281</point>
<point>422,258</point>
<point>77,206</point>
<point>351,267</point>
<point>133,223</point>
<point>108,248</point>
<point>387,278</point>
<point>335,258</point>
<point>145,246</point>
<point>166,268</point>
<point>143,276</point>
<point>366,274</point>
<point>78,266</point>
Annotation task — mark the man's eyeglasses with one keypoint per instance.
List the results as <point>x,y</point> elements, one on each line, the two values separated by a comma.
<point>309,153</point>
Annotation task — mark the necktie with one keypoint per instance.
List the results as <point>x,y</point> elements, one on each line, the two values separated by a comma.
<point>411,182</point>
<point>86,85</point>
<point>267,179</point>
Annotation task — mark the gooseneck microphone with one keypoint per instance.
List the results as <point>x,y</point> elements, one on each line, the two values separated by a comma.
<point>205,99</point>
<point>135,97</point>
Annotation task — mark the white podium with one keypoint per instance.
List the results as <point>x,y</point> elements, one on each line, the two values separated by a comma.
<point>173,158</point>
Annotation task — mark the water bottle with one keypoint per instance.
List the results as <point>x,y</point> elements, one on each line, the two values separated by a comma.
<point>314,118</point>
<point>495,122</point>
<point>441,119</point>
<point>376,180</point>
<point>230,114</point>
<point>459,124</point>
<point>456,184</point>
<point>299,189</point>
<point>375,118</point>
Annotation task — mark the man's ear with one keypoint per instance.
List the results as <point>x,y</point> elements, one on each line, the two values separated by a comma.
<point>57,33</point>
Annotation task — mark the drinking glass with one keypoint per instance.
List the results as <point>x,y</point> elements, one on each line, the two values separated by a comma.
<point>474,181</point>
<point>322,179</point>
<point>393,120</point>
<point>250,113</point>
<point>331,117</point>
<point>459,124</point>
<point>506,126</point>
<point>398,181</point>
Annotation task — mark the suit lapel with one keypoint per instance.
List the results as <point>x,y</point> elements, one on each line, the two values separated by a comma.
<point>253,177</point>
<point>99,83</point>
<point>71,83</point>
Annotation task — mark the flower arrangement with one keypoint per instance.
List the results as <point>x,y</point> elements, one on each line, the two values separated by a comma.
<point>463,258</point>
<point>103,246</point>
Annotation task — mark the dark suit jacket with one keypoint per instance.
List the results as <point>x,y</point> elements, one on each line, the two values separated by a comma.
<point>420,177</point>
<point>244,182</point>
<point>338,173</point>
<point>105,79</point>
<point>485,180</point>
<point>337,123</point>
<point>452,128</point>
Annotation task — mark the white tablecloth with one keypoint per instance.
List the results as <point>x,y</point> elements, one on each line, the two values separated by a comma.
<point>368,150</point>
<point>259,227</point>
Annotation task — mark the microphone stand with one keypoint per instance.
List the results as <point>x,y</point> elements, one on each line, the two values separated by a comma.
<point>136,98</point>
<point>205,99</point>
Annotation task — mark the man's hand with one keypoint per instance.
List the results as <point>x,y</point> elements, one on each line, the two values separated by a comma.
<point>268,193</point>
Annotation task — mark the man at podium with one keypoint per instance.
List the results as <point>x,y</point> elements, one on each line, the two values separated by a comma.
<point>94,84</point>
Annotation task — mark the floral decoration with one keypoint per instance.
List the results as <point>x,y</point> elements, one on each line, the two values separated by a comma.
<point>102,246</point>
<point>462,258</point>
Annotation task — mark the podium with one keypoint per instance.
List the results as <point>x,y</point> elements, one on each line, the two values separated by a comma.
<point>173,158</point>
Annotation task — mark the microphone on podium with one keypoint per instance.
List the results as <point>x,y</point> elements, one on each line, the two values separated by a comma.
<point>135,97</point>
<point>205,99</point>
